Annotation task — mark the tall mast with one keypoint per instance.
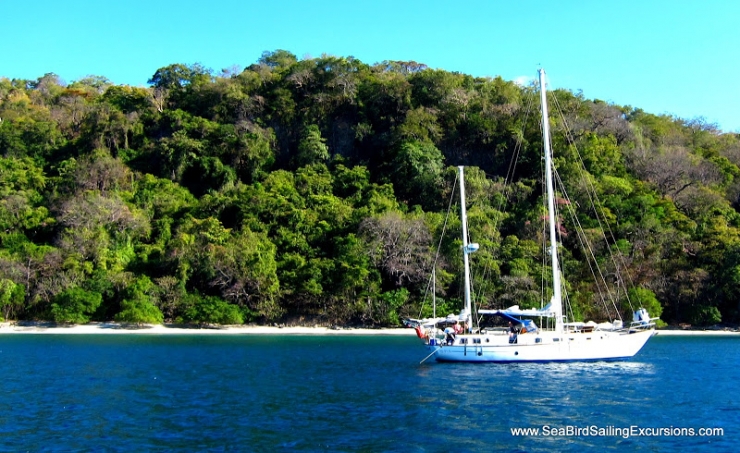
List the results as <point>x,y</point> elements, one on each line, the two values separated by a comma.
<point>467,249</point>
<point>557,301</point>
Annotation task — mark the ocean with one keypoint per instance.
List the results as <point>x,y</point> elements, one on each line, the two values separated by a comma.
<point>244,393</point>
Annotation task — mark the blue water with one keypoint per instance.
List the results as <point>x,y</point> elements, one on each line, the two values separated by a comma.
<point>346,393</point>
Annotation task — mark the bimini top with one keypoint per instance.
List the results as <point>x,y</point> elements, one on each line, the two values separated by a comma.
<point>526,325</point>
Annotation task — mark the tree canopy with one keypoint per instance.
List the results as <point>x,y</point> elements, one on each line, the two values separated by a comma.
<point>315,190</point>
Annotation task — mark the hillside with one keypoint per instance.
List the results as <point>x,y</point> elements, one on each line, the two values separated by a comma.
<point>316,191</point>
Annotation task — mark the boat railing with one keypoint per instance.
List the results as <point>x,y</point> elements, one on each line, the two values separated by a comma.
<point>647,324</point>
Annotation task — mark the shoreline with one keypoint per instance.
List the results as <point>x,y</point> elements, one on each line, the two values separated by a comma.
<point>112,328</point>
<point>696,332</point>
<point>170,329</point>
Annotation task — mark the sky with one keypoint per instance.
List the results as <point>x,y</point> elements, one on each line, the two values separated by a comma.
<point>673,57</point>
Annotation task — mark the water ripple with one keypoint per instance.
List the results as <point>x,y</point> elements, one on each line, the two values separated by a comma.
<point>364,394</point>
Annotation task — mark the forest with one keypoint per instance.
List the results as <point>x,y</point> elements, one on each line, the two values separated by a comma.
<point>315,191</point>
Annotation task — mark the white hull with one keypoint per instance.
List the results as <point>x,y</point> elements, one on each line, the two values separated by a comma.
<point>543,347</point>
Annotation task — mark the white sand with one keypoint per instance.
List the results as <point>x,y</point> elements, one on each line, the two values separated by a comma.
<point>693,332</point>
<point>117,329</point>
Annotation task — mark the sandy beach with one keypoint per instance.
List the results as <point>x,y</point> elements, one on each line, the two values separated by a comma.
<point>159,329</point>
<point>697,332</point>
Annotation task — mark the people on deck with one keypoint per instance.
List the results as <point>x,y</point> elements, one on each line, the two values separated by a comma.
<point>449,335</point>
<point>458,327</point>
<point>513,332</point>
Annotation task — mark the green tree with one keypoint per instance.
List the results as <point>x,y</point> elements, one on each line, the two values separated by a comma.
<point>417,174</point>
<point>75,305</point>
<point>278,59</point>
<point>245,271</point>
<point>138,306</point>
<point>387,305</point>
<point>21,202</point>
<point>178,75</point>
<point>211,310</point>
<point>312,148</point>
<point>11,297</point>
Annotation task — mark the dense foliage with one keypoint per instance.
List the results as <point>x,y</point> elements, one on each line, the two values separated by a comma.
<point>316,190</point>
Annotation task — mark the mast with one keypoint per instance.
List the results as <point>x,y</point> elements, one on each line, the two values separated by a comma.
<point>467,249</point>
<point>434,291</point>
<point>557,301</point>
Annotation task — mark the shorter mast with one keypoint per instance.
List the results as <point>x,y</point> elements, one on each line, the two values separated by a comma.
<point>434,291</point>
<point>557,299</point>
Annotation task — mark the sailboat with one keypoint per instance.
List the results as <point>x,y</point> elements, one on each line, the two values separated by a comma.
<point>525,341</point>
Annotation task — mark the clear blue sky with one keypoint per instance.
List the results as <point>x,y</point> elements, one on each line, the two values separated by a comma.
<point>675,57</point>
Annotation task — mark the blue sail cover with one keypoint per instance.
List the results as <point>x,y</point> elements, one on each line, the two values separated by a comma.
<point>527,324</point>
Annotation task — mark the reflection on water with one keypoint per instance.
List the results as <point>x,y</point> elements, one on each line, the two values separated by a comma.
<point>672,382</point>
<point>555,370</point>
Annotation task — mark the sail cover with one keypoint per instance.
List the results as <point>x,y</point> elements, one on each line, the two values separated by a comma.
<point>514,310</point>
<point>514,314</point>
<point>527,325</point>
